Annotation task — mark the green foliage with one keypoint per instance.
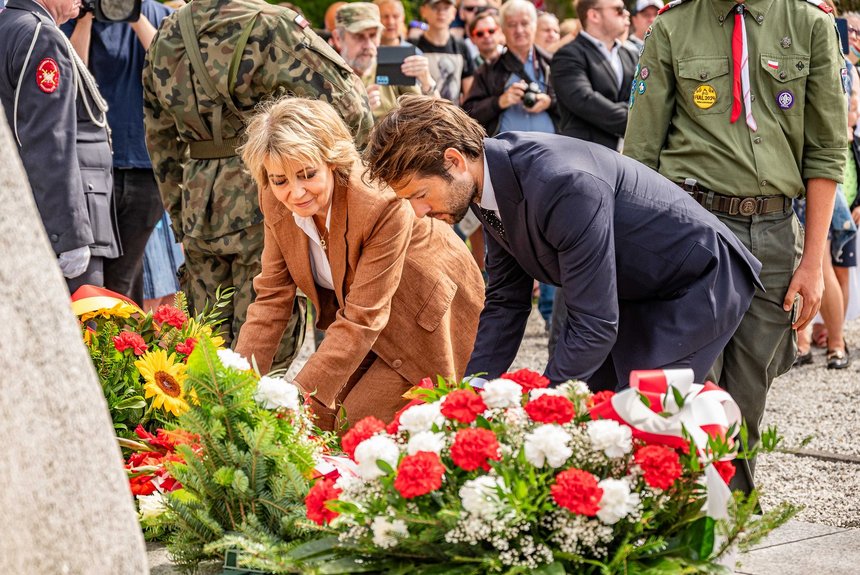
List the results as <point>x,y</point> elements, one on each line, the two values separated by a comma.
<point>248,482</point>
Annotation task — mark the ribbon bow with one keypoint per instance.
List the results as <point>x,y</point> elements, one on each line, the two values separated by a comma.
<point>706,411</point>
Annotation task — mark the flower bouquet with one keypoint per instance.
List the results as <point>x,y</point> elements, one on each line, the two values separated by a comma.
<point>149,478</point>
<point>518,477</point>
<point>245,477</point>
<point>140,357</point>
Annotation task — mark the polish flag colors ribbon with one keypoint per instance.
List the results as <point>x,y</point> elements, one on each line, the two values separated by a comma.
<point>706,411</point>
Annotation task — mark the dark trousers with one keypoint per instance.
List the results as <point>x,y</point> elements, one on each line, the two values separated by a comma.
<point>138,209</point>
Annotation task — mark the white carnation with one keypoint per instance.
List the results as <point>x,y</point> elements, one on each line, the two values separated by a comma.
<point>386,533</point>
<point>480,496</point>
<point>548,444</point>
<point>373,449</point>
<point>540,391</point>
<point>610,437</point>
<point>275,393</point>
<point>501,393</point>
<point>577,387</point>
<point>425,441</point>
<point>231,359</point>
<point>151,506</point>
<point>422,417</point>
<point>617,501</point>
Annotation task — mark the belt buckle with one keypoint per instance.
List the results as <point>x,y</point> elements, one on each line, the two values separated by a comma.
<point>748,207</point>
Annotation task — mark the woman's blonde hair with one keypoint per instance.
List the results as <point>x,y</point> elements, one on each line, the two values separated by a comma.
<point>298,132</point>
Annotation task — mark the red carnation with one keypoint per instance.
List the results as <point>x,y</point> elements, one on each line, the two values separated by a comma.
<point>321,493</point>
<point>661,465</point>
<point>551,409</point>
<point>129,340</point>
<point>170,315</point>
<point>187,347</point>
<point>577,491</point>
<point>527,379</point>
<point>464,405</point>
<point>600,397</point>
<point>419,474</point>
<point>726,469</point>
<point>473,447</point>
<point>364,429</point>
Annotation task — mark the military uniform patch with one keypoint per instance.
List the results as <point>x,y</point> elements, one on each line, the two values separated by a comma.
<point>48,75</point>
<point>645,73</point>
<point>705,96</point>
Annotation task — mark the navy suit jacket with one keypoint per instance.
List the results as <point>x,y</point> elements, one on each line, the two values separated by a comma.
<point>648,274</point>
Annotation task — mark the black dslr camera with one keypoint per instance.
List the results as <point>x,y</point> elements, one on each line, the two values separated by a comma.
<point>112,10</point>
<point>531,94</point>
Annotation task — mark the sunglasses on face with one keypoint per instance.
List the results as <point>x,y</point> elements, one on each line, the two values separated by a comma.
<point>470,8</point>
<point>618,9</point>
<point>485,32</point>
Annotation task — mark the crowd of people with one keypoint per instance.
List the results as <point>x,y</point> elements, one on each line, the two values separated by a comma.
<point>643,190</point>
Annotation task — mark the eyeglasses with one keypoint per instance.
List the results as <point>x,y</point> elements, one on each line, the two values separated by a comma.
<point>484,32</point>
<point>853,31</point>
<point>618,9</point>
<point>470,8</point>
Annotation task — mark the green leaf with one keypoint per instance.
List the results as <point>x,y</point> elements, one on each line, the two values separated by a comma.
<point>135,402</point>
<point>224,476</point>
<point>385,466</point>
<point>699,538</point>
<point>554,568</point>
<point>315,547</point>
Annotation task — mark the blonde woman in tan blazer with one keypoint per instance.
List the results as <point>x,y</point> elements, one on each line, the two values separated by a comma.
<point>398,296</point>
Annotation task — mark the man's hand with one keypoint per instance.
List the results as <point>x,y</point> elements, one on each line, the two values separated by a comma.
<point>807,284</point>
<point>542,103</point>
<point>855,215</point>
<point>418,67</point>
<point>374,98</point>
<point>513,95</point>
<point>74,262</point>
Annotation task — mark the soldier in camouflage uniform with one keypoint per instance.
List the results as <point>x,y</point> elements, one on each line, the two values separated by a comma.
<point>209,65</point>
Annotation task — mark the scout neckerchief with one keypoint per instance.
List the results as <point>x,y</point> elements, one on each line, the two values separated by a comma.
<point>740,60</point>
<point>741,70</point>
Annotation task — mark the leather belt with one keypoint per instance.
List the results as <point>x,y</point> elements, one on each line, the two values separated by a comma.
<point>735,206</point>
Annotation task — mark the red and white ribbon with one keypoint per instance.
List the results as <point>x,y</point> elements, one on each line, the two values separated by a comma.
<point>741,70</point>
<point>707,411</point>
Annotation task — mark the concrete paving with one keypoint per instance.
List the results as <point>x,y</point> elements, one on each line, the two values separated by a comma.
<point>800,548</point>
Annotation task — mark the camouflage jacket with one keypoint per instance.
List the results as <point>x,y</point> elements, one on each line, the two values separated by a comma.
<point>208,198</point>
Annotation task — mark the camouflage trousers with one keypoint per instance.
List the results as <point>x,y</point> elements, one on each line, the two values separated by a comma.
<point>232,261</point>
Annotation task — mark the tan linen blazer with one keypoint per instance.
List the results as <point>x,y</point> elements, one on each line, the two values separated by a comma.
<point>406,288</point>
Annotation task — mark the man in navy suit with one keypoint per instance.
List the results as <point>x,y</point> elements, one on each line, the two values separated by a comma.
<point>651,280</point>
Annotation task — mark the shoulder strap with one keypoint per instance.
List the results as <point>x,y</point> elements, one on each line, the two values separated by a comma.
<point>822,5</point>
<point>671,5</point>
<point>192,48</point>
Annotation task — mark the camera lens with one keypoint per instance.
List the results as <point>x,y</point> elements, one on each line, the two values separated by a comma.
<point>534,87</point>
<point>529,99</point>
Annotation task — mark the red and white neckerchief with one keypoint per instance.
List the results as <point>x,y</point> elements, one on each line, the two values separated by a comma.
<point>741,70</point>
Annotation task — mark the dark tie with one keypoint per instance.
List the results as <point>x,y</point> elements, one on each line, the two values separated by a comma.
<point>493,221</point>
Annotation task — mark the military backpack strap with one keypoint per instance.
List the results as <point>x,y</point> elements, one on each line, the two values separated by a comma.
<point>218,147</point>
<point>233,70</point>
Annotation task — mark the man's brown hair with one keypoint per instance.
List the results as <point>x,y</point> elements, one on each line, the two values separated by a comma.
<point>582,7</point>
<point>412,138</point>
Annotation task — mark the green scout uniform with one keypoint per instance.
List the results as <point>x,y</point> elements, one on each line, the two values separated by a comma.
<point>250,51</point>
<point>679,124</point>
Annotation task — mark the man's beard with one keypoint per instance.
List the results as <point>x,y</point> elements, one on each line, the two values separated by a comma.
<point>462,194</point>
<point>361,63</point>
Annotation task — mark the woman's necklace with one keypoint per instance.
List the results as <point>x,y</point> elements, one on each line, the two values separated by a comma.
<point>323,237</point>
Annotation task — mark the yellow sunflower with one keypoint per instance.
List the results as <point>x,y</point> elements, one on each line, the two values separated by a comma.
<point>196,330</point>
<point>165,379</point>
<point>122,310</point>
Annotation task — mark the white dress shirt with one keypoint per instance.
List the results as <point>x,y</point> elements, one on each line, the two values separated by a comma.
<point>612,56</point>
<point>488,194</point>
<point>320,267</point>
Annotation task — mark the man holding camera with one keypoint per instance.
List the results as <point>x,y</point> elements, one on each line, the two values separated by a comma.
<point>356,37</point>
<point>514,93</point>
<point>59,121</point>
<point>592,75</point>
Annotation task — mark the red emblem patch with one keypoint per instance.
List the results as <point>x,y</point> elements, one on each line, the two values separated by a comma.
<point>48,75</point>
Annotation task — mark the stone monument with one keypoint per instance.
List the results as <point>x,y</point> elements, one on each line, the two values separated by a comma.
<point>65,503</point>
